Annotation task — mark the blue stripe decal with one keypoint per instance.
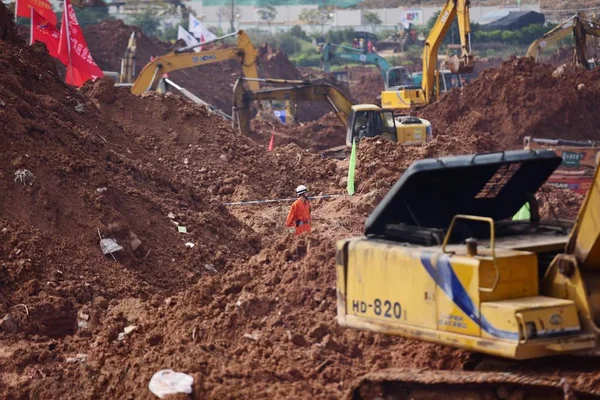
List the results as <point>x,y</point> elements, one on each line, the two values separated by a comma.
<point>445,277</point>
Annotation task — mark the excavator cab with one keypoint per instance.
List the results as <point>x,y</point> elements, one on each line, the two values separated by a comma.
<point>368,120</point>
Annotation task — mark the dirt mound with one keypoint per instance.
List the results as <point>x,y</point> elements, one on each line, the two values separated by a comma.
<point>206,153</point>
<point>521,98</point>
<point>366,85</point>
<point>8,31</point>
<point>316,136</point>
<point>69,174</point>
<point>108,40</point>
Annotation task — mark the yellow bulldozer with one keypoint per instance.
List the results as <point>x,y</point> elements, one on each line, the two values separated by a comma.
<point>443,261</point>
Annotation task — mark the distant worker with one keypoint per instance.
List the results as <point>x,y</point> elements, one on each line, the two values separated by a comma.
<point>361,44</point>
<point>369,46</point>
<point>299,216</point>
<point>355,43</point>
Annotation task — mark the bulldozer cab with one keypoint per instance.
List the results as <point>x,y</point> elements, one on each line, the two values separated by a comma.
<point>371,121</point>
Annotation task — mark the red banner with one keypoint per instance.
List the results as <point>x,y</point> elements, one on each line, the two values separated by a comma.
<point>72,45</point>
<point>43,7</point>
<point>43,31</point>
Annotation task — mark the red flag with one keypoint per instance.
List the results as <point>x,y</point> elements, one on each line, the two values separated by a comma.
<point>72,45</point>
<point>43,31</point>
<point>43,7</point>
<point>271,141</point>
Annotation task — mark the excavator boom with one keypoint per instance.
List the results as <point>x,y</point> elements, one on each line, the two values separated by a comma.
<point>579,26</point>
<point>186,58</point>
<point>300,91</point>
<point>462,64</point>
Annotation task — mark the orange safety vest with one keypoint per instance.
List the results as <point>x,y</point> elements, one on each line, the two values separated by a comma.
<point>299,216</point>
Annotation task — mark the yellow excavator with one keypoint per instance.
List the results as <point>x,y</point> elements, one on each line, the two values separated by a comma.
<point>410,97</point>
<point>580,26</point>
<point>443,261</point>
<point>185,57</point>
<point>360,120</point>
<point>153,75</point>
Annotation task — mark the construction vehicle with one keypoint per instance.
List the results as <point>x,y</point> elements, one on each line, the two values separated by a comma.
<point>580,26</point>
<point>409,98</point>
<point>394,78</point>
<point>155,73</point>
<point>185,57</point>
<point>442,261</point>
<point>360,120</point>
<point>579,161</point>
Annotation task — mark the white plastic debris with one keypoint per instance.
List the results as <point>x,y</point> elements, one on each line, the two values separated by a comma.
<point>126,331</point>
<point>80,108</point>
<point>181,229</point>
<point>24,176</point>
<point>190,245</point>
<point>79,358</point>
<point>252,336</point>
<point>167,381</point>
<point>185,161</point>
<point>171,215</point>
<point>101,189</point>
<point>109,246</point>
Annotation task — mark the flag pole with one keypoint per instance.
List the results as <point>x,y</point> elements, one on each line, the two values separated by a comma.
<point>17,10</point>
<point>31,28</point>
<point>66,21</point>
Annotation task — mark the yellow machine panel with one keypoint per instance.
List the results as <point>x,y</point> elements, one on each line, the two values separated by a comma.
<point>411,134</point>
<point>531,317</point>
<point>402,99</point>
<point>394,302</point>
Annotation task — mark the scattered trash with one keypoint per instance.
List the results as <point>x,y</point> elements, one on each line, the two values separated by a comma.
<point>25,176</point>
<point>189,245</point>
<point>80,108</point>
<point>126,331</point>
<point>101,189</point>
<point>171,215</point>
<point>109,246</point>
<point>167,381</point>
<point>181,229</point>
<point>8,324</point>
<point>175,222</point>
<point>2,103</point>
<point>211,268</point>
<point>252,336</point>
<point>79,358</point>
<point>185,161</point>
<point>83,320</point>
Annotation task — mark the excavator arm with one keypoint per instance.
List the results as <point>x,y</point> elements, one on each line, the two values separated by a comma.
<point>300,91</point>
<point>457,64</point>
<point>350,54</point>
<point>553,36</point>
<point>186,58</point>
<point>579,26</point>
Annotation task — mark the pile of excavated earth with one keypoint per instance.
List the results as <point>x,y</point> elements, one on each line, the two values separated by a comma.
<point>213,83</point>
<point>221,292</point>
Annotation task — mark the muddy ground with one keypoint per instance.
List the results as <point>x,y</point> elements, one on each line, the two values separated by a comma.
<point>248,310</point>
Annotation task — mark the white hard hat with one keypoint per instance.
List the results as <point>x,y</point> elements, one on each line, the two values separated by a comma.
<point>301,189</point>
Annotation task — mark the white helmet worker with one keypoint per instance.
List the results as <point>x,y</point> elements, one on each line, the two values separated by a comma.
<point>301,190</point>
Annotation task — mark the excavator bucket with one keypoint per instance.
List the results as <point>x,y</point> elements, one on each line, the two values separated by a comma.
<point>427,385</point>
<point>460,65</point>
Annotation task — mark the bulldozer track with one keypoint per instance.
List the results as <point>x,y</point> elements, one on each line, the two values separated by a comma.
<point>399,384</point>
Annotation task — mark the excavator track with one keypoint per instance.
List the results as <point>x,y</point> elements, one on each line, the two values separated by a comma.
<point>399,384</point>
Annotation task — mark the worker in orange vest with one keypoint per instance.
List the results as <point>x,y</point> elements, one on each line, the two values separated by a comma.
<point>298,218</point>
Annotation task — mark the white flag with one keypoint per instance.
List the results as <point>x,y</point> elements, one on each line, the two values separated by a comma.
<point>198,29</point>
<point>187,37</point>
